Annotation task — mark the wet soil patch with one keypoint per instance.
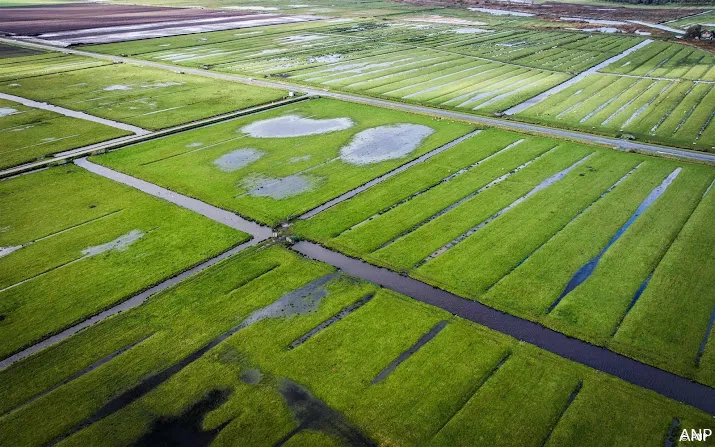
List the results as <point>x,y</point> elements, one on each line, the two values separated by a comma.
<point>290,126</point>
<point>240,158</point>
<point>332,320</point>
<point>186,429</point>
<point>313,414</point>
<point>432,333</point>
<point>281,188</point>
<point>251,376</point>
<point>384,143</point>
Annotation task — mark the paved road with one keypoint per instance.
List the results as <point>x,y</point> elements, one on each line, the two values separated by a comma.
<point>653,149</point>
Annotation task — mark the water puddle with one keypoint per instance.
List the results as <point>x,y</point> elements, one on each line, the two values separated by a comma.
<point>5,111</point>
<point>298,302</point>
<point>4,251</point>
<point>384,143</point>
<point>281,188</point>
<point>314,414</point>
<point>300,158</point>
<point>186,429</point>
<point>290,126</point>
<point>332,320</point>
<point>671,439</point>
<point>116,87</point>
<point>501,12</point>
<point>251,376</point>
<point>432,333</point>
<point>472,31</point>
<point>327,59</point>
<point>240,158</point>
<point>587,269</point>
<point>119,244</point>
<point>541,186</point>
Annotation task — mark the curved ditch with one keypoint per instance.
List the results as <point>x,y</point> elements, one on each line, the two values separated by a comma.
<point>583,273</point>
<point>663,382</point>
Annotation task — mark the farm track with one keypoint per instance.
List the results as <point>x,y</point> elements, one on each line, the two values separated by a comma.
<point>663,382</point>
<point>74,114</point>
<point>651,149</point>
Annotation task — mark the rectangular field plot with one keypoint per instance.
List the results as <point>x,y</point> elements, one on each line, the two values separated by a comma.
<point>145,97</point>
<point>27,134</point>
<point>667,60</point>
<point>661,110</point>
<point>73,244</point>
<point>279,350</point>
<point>14,68</point>
<point>564,234</point>
<point>275,165</point>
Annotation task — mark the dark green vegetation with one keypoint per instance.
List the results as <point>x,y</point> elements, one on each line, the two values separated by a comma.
<point>278,178</point>
<point>252,389</point>
<point>479,221</point>
<point>27,134</point>
<point>72,244</point>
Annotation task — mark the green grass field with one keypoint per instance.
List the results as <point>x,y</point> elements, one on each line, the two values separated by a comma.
<point>145,97</point>
<point>520,394</point>
<point>28,134</point>
<point>73,244</point>
<point>279,178</point>
<point>474,221</point>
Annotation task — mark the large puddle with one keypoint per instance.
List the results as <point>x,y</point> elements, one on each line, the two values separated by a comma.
<point>384,143</point>
<point>280,188</point>
<point>119,244</point>
<point>240,158</point>
<point>289,126</point>
<point>587,269</point>
<point>315,415</point>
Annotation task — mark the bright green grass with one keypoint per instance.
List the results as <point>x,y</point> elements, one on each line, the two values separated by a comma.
<point>13,69</point>
<point>145,97</point>
<point>54,215</point>
<point>185,162</point>
<point>433,398</point>
<point>27,134</point>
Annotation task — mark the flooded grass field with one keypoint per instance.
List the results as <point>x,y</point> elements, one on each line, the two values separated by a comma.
<point>292,158</point>
<point>251,387</point>
<point>508,220</point>
<point>70,242</point>
<point>335,223</point>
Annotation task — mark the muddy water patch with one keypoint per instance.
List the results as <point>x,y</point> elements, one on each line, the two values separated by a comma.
<point>289,126</point>
<point>432,333</point>
<point>384,143</point>
<point>313,414</point>
<point>240,158</point>
<point>119,244</point>
<point>587,269</point>
<point>280,188</point>
<point>186,429</point>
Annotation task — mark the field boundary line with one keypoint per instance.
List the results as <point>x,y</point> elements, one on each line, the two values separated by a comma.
<point>518,126</point>
<point>117,143</point>
<point>599,358</point>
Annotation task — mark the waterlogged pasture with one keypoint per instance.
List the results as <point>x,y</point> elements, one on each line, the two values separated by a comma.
<point>18,67</point>
<point>145,97</point>
<point>275,165</point>
<point>269,348</point>
<point>73,244</point>
<point>678,112</point>
<point>587,241</point>
<point>27,134</point>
